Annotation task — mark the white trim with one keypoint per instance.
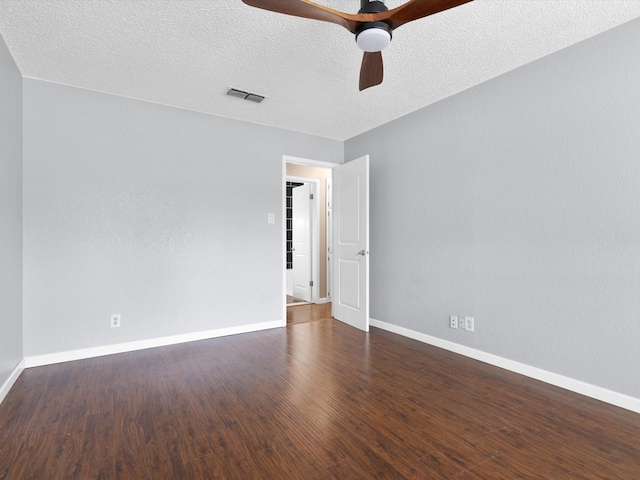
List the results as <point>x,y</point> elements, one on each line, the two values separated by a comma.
<point>307,161</point>
<point>614,398</point>
<point>283,240</point>
<point>6,386</point>
<point>71,355</point>
<point>328,239</point>
<point>318,301</point>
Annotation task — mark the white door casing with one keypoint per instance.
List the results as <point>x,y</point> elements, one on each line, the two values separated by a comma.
<point>329,239</point>
<point>350,211</point>
<point>301,242</point>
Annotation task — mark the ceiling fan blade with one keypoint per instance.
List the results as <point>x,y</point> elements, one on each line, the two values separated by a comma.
<point>309,9</point>
<point>414,9</point>
<point>372,70</point>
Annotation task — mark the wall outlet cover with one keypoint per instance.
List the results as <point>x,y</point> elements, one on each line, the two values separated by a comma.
<point>469,324</point>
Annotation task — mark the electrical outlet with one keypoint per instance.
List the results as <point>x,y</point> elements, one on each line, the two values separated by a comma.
<point>453,321</point>
<point>115,320</point>
<point>469,324</point>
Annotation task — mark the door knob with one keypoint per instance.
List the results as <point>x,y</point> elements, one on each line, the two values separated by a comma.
<point>362,252</point>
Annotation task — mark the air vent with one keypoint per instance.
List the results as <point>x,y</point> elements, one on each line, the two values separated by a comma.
<point>232,92</point>
<point>252,97</point>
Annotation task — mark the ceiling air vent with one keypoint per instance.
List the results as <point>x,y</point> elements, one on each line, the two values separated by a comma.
<point>252,97</point>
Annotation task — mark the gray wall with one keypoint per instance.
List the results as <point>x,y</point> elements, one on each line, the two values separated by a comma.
<point>10,214</point>
<point>518,202</point>
<point>155,213</point>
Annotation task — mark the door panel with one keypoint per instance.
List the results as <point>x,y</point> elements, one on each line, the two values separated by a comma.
<point>349,230</point>
<point>349,271</point>
<point>351,243</point>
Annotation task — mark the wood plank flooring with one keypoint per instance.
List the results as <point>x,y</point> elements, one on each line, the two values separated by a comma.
<point>315,400</point>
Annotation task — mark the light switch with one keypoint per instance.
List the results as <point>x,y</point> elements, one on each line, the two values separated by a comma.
<point>271,218</point>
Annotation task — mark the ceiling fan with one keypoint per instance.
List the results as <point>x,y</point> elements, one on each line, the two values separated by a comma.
<point>372,25</point>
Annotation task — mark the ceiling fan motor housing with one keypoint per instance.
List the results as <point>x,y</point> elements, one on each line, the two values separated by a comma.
<point>372,6</point>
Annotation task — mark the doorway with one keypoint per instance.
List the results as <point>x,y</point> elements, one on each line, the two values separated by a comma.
<point>318,175</point>
<point>349,230</point>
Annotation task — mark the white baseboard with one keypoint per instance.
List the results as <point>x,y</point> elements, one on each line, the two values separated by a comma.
<point>614,398</point>
<point>321,301</point>
<point>6,386</point>
<point>59,357</point>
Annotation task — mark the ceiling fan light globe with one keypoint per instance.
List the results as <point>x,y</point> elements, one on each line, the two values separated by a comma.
<point>373,39</point>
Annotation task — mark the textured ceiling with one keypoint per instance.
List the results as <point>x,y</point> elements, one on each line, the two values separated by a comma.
<point>186,53</point>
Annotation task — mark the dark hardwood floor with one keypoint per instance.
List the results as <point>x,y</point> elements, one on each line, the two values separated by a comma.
<point>315,400</point>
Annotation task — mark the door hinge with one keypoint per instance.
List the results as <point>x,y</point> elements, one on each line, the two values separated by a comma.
<point>311,197</point>
<point>311,283</point>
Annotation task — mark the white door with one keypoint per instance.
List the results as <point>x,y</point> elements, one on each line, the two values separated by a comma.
<point>350,210</point>
<point>301,242</point>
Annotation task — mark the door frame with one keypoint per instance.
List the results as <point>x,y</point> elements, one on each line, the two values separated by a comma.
<point>283,214</point>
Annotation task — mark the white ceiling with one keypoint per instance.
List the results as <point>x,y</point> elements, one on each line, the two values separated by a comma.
<point>186,53</point>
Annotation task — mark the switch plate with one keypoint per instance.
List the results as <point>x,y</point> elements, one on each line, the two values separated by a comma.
<point>271,218</point>
<point>453,321</point>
